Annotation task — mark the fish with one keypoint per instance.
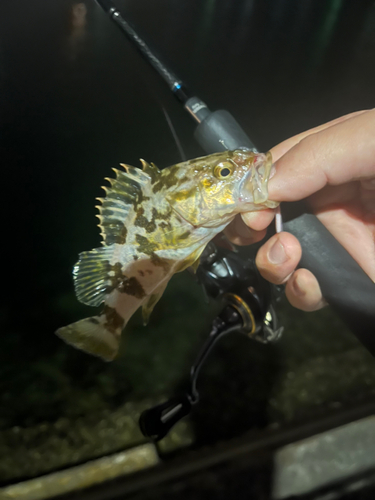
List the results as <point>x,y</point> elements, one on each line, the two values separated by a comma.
<point>154,224</point>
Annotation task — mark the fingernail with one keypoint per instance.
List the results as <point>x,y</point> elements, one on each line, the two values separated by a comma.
<point>298,290</point>
<point>277,254</point>
<point>248,217</point>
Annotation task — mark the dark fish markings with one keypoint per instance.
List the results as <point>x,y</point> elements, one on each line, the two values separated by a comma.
<point>168,178</point>
<point>142,221</point>
<point>145,246</point>
<point>185,235</point>
<point>114,321</point>
<point>131,286</point>
<point>160,262</point>
<point>150,226</point>
<point>137,196</point>
<point>123,284</point>
<point>149,248</point>
<point>164,216</point>
<point>121,237</point>
<point>165,225</point>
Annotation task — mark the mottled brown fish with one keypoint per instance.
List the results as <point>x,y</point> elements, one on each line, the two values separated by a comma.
<point>155,224</point>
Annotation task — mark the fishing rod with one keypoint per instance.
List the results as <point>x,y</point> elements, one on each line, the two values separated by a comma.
<point>249,301</point>
<point>218,130</point>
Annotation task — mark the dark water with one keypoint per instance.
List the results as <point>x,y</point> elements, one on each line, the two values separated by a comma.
<point>75,101</point>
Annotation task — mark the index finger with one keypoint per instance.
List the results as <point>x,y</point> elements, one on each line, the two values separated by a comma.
<point>334,155</point>
<point>260,220</point>
<point>283,147</point>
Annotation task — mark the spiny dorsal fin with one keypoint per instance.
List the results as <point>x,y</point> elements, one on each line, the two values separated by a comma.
<point>151,170</point>
<point>126,191</point>
<point>91,275</point>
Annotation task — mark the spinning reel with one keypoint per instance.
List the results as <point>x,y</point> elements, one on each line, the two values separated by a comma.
<point>247,307</point>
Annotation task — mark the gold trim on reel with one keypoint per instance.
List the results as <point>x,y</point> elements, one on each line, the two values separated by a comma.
<point>248,320</point>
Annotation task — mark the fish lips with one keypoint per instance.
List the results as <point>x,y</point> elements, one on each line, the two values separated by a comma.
<point>253,188</point>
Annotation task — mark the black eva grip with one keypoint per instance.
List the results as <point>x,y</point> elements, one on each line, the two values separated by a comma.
<point>344,284</point>
<point>219,131</point>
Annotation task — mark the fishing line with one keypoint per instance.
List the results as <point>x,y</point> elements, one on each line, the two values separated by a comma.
<point>278,220</point>
<point>174,134</point>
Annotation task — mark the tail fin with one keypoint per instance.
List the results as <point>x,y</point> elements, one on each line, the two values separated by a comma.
<point>93,336</point>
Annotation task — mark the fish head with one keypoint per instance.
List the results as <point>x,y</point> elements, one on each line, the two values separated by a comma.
<point>213,189</point>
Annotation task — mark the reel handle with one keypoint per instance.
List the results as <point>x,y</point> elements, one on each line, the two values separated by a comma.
<point>156,422</point>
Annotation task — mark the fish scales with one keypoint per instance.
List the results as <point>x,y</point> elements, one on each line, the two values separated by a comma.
<point>155,224</point>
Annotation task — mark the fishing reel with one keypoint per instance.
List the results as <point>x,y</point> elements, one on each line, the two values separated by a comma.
<point>247,307</point>
<point>234,278</point>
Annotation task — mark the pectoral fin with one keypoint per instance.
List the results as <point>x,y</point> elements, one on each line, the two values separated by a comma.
<point>191,260</point>
<point>194,266</point>
<point>92,275</point>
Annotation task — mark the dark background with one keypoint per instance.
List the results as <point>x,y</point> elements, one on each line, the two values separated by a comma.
<point>75,100</point>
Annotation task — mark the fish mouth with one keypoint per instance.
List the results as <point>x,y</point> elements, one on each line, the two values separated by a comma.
<point>253,187</point>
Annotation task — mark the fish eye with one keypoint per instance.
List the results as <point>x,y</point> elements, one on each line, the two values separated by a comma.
<point>223,170</point>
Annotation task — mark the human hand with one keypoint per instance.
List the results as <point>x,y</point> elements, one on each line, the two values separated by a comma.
<point>333,167</point>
